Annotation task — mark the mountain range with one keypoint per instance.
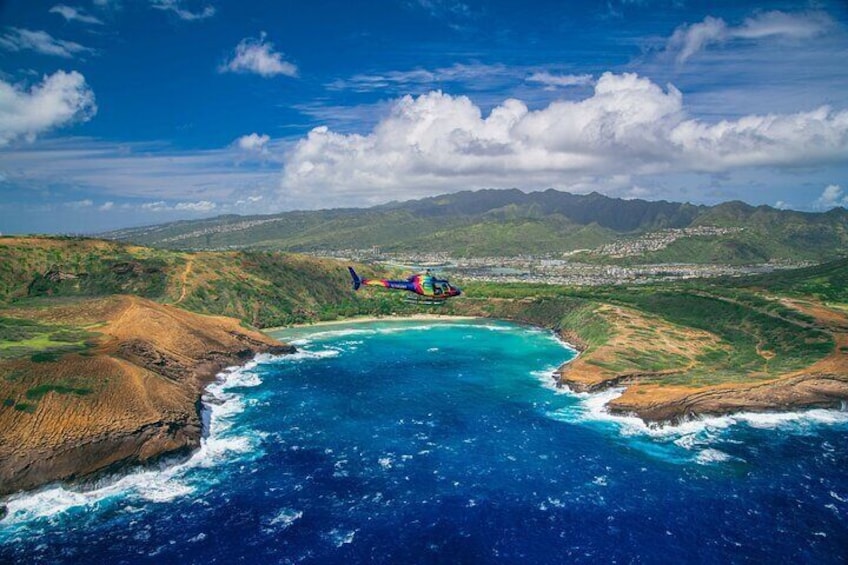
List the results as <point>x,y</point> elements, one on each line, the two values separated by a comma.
<point>511,222</point>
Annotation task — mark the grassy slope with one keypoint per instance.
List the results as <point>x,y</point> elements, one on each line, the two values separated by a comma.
<point>757,336</point>
<point>261,288</point>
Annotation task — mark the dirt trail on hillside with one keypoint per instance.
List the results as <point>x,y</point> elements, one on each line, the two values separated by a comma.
<point>184,280</point>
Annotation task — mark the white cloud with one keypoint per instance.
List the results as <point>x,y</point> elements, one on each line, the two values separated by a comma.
<point>78,204</point>
<point>689,39</point>
<point>782,24</point>
<point>254,143</point>
<point>106,206</point>
<point>475,75</point>
<point>200,206</point>
<point>831,197</point>
<point>19,39</point>
<point>143,172</point>
<point>75,14</point>
<point>176,7</point>
<point>60,99</point>
<point>158,206</point>
<point>817,136</point>
<point>259,57</point>
<point>553,81</point>
<point>628,126</point>
<point>248,201</point>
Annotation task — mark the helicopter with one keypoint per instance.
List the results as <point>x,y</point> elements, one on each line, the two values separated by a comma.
<point>426,286</point>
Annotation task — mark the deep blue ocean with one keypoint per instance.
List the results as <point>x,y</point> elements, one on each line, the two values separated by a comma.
<point>418,442</point>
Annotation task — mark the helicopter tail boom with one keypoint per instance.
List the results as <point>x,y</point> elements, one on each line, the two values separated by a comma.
<point>357,282</point>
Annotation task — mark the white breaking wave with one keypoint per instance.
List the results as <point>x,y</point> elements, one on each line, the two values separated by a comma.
<point>593,408</point>
<point>547,378</point>
<point>569,346</point>
<point>285,518</point>
<point>165,482</point>
<point>307,355</point>
<point>711,455</point>
<point>696,435</point>
<point>784,420</point>
<point>328,334</point>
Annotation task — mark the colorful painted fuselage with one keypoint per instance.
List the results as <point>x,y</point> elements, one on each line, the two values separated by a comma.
<point>421,284</point>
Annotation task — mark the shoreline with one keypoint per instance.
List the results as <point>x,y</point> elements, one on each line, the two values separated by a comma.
<point>149,408</point>
<point>664,406</point>
<point>370,319</point>
<point>220,376</point>
<point>105,483</point>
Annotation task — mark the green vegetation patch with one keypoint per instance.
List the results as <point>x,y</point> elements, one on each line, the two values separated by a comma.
<point>583,320</point>
<point>36,393</point>
<point>827,282</point>
<point>25,407</point>
<point>41,342</point>
<point>760,341</point>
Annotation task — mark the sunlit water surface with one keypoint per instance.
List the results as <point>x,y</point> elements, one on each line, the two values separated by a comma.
<point>411,441</point>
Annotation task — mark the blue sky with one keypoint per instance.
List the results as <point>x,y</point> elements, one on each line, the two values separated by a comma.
<point>127,112</point>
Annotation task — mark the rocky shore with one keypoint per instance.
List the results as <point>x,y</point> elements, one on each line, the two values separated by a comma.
<point>138,395</point>
<point>822,385</point>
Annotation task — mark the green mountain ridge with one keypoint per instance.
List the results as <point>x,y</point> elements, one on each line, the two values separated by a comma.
<point>511,222</point>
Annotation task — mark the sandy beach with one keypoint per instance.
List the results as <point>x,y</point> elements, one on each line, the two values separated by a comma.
<point>365,319</point>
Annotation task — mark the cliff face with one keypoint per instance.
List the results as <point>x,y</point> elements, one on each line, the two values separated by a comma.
<point>676,404</point>
<point>131,398</point>
<point>823,384</point>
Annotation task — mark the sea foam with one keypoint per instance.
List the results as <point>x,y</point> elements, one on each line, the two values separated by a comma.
<point>168,480</point>
<point>696,435</point>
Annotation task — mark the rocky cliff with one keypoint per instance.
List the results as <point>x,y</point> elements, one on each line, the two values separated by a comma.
<point>132,397</point>
<point>823,384</point>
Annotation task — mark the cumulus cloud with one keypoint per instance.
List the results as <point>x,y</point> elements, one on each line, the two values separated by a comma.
<point>19,39</point>
<point>689,39</point>
<point>72,14</point>
<point>254,143</point>
<point>177,7</point>
<point>259,57</point>
<point>60,99</point>
<point>106,206</point>
<point>552,81</point>
<point>158,206</point>
<point>249,200</point>
<point>628,126</point>
<point>201,206</point>
<point>832,197</point>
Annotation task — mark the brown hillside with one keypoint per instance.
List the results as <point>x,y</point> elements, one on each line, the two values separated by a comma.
<point>821,385</point>
<point>131,398</point>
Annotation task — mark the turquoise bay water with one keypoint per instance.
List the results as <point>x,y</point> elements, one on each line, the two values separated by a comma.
<point>414,441</point>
